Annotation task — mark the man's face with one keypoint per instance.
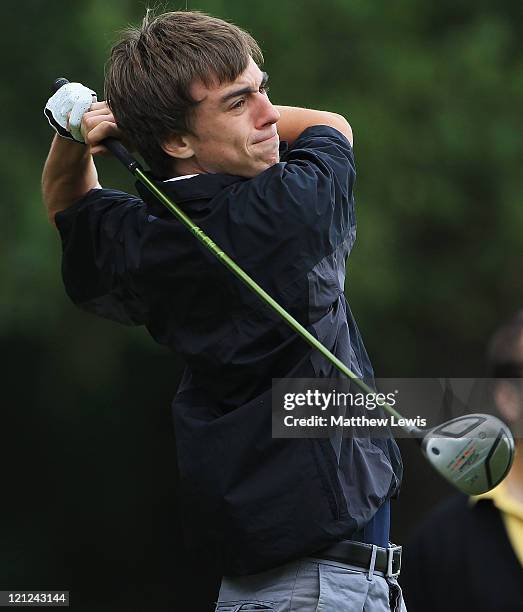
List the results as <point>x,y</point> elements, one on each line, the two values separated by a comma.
<point>234,127</point>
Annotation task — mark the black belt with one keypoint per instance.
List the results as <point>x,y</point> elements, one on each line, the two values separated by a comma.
<point>387,560</point>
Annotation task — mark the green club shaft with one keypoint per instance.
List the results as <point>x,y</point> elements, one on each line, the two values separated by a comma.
<point>123,155</point>
<point>260,292</point>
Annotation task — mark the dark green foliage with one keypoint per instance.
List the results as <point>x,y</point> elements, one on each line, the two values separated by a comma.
<point>434,93</point>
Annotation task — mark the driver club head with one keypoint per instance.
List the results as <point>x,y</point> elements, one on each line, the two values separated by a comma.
<point>473,452</point>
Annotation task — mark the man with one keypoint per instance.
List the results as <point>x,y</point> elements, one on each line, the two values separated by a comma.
<point>464,538</point>
<point>187,92</point>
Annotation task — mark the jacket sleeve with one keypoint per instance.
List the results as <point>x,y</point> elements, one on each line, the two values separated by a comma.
<point>320,173</point>
<point>101,254</point>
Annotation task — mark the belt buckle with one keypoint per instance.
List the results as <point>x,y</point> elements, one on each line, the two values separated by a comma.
<point>392,548</point>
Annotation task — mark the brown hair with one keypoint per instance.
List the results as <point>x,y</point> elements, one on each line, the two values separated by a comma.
<point>151,69</point>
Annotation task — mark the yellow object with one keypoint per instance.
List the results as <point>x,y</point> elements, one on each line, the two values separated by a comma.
<point>512,512</point>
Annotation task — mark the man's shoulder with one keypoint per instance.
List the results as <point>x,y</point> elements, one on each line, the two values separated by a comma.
<point>100,197</point>
<point>99,203</point>
<point>320,150</point>
<point>104,194</point>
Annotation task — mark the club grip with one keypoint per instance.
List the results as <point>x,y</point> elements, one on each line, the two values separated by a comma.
<point>121,153</point>
<point>60,82</point>
<point>113,144</point>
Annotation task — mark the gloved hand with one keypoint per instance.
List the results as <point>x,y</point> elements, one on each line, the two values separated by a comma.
<point>72,99</point>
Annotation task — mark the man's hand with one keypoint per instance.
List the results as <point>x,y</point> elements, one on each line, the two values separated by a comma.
<point>65,108</point>
<point>97,124</point>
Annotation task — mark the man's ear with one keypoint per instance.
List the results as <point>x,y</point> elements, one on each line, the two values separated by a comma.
<point>178,146</point>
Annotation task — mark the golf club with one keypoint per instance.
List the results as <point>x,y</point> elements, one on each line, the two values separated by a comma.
<point>473,452</point>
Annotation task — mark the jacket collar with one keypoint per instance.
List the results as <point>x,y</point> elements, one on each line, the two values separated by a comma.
<point>191,194</point>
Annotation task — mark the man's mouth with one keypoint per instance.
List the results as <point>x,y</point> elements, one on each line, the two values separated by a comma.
<point>267,138</point>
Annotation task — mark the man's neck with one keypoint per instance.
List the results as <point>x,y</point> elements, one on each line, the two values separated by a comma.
<point>183,167</point>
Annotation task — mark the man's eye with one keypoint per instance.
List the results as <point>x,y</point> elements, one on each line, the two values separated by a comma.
<point>238,104</point>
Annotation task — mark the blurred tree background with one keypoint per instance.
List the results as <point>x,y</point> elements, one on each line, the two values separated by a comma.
<point>434,93</point>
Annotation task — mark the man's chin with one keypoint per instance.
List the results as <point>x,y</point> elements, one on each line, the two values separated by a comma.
<point>260,167</point>
<point>272,160</point>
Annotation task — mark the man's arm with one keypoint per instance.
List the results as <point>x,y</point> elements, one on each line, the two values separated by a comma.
<point>294,120</point>
<point>69,171</point>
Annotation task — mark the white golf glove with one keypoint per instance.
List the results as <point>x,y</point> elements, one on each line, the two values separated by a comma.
<point>71,98</point>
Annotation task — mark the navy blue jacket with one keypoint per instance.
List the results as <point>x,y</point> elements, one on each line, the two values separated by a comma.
<point>251,501</point>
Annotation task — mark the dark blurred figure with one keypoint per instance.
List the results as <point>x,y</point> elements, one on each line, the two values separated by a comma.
<point>468,553</point>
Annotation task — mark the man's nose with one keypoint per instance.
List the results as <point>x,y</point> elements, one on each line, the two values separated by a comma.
<point>268,113</point>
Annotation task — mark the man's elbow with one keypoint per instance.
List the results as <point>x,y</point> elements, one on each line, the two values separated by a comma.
<point>342,125</point>
<point>51,213</point>
<point>48,200</point>
<point>52,202</point>
<point>59,195</point>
